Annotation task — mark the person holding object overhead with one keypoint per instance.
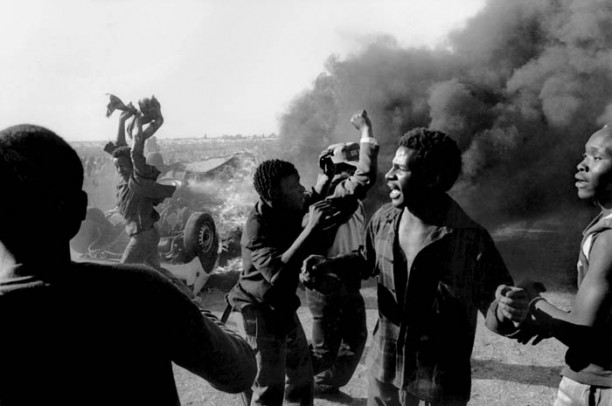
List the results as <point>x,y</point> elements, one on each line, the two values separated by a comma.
<point>138,192</point>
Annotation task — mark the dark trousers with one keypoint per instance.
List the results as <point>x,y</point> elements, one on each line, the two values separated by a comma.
<point>386,394</point>
<point>142,249</point>
<point>284,368</point>
<point>339,334</point>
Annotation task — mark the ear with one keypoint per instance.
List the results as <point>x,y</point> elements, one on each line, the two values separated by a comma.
<point>72,211</point>
<point>275,196</point>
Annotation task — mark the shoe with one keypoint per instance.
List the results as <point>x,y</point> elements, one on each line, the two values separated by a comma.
<point>333,394</point>
<point>326,390</point>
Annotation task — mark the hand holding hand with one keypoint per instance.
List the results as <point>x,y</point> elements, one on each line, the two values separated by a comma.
<point>513,303</point>
<point>316,274</point>
<point>532,288</point>
<point>530,329</point>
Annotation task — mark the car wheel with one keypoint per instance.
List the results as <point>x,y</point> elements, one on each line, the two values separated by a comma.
<point>201,239</point>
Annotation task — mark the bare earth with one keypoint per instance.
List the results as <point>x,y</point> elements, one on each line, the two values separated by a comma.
<point>503,371</point>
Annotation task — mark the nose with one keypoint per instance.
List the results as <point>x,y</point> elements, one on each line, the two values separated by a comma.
<point>582,166</point>
<point>390,174</point>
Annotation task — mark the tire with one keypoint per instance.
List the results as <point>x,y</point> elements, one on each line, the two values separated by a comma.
<point>201,239</point>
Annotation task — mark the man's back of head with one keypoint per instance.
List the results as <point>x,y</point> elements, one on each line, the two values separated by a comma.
<point>42,177</point>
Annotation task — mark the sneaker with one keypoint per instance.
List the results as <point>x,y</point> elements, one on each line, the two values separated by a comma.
<point>326,390</point>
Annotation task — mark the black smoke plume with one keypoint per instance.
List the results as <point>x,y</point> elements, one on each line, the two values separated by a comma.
<point>520,88</point>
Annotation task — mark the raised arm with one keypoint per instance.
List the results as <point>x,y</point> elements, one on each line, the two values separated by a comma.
<point>357,185</point>
<point>153,120</point>
<point>120,139</point>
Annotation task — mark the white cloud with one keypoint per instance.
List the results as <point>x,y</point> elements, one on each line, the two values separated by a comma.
<point>216,66</point>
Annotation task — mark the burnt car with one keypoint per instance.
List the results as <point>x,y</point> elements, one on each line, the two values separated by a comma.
<point>190,245</point>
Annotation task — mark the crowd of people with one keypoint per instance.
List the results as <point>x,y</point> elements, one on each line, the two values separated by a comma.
<point>78,333</point>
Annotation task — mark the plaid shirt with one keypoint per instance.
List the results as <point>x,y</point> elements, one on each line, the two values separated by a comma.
<point>425,332</point>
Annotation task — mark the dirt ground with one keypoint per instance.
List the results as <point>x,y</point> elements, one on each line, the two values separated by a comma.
<point>503,371</point>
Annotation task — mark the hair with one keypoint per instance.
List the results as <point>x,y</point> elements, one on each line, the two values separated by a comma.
<point>437,156</point>
<point>269,174</point>
<point>42,177</point>
<point>35,160</point>
<point>122,151</point>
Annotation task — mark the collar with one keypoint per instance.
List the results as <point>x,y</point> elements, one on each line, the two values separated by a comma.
<point>599,223</point>
<point>453,217</point>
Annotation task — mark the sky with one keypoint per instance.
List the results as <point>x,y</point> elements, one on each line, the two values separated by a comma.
<point>217,67</point>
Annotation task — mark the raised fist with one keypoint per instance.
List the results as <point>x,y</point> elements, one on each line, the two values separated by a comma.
<point>361,120</point>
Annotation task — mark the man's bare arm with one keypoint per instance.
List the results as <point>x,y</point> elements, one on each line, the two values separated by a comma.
<point>593,301</point>
<point>120,141</point>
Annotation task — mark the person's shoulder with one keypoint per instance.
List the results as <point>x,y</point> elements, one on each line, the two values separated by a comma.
<point>602,244</point>
<point>253,224</point>
<point>117,274</point>
<point>386,212</point>
<point>456,217</point>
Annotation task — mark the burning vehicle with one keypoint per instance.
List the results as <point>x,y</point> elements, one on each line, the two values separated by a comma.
<point>190,244</point>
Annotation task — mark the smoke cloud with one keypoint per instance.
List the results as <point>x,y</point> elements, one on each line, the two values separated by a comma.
<point>520,88</point>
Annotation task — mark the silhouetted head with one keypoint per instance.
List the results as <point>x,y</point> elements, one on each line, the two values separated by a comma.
<point>42,178</point>
<point>425,162</point>
<point>278,183</point>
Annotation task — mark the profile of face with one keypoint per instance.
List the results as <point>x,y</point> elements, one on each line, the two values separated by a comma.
<point>594,172</point>
<point>402,180</point>
<point>289,194</point>
<point>123,164</point>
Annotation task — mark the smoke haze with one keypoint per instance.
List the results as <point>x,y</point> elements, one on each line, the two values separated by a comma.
<point>520,88</point>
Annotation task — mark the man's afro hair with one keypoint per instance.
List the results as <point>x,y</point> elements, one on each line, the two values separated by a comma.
<point>436,155</point>
<point>269,174</point>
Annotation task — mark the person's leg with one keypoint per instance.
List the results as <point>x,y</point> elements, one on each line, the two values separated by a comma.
<point>385,394</point>
<point>603,396</point>
<point>135,251</point>
<point>270,352</point>
<point>300,382</point>
<point>572,393</point>
<point>152,237</point>
<point>142,249</point>
<point>354,334</point>
<point>325,310</point>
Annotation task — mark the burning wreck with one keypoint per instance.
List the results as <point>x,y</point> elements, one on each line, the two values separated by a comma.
<point>191,243</point>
